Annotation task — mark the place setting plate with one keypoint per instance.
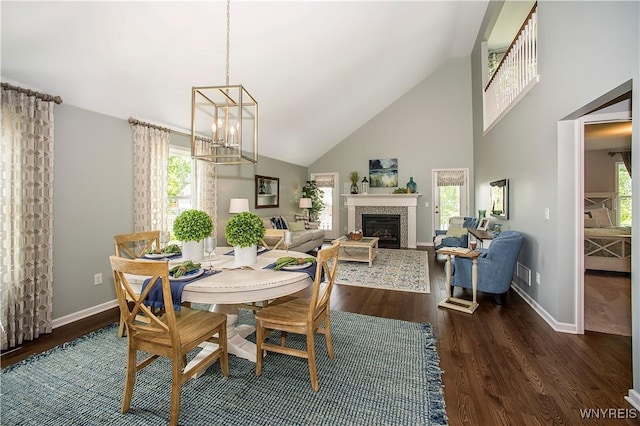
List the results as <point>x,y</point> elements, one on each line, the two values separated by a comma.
<point>188,276</point>
<point>159,255</point>
<point>296,267</point>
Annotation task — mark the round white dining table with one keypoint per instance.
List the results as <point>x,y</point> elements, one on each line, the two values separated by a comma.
<point>233,286</point>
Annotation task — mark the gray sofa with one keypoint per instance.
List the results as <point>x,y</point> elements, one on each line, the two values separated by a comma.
<point>304,240</point>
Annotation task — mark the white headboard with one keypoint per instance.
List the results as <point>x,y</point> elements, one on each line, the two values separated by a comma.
<point>600,199</point>
<point>609,200</point>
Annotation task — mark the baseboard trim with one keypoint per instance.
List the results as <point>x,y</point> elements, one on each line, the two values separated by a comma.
<point>633,398</point>
<point>561,327</point>
<point>67,319</point>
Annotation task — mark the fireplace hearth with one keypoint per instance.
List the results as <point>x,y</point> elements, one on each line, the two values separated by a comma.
<point>384,226</point>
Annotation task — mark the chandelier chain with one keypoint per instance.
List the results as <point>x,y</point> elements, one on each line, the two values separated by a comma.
<point>228,33</point>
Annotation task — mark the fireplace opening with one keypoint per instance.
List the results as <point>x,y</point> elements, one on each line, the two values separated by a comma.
<point>384,226</point>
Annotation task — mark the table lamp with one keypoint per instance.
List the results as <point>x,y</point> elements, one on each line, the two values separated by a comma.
<point>238,205</point>
<point>306,204</point>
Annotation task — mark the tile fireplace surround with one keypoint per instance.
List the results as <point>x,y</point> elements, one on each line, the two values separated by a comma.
<point>403,204</point>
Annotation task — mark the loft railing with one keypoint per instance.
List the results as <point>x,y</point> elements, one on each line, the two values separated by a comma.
<point>516,73</point>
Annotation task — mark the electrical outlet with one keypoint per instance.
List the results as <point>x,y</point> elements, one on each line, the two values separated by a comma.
<point>537,277</point>
<point>97,279</point>
<point>546,213</point>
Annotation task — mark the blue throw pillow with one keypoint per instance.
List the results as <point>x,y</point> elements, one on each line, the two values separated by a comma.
<point>278,223</point>
<point>470,222</point>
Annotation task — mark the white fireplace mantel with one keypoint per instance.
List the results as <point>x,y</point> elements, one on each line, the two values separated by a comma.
<point>410,201</point>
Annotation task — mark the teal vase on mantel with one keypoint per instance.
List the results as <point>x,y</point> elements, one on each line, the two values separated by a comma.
<point>482,214</point>
<point>411,186</point>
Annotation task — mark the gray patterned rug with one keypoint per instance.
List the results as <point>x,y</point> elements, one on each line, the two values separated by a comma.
<point>386,372</point>
<point>403,270</point>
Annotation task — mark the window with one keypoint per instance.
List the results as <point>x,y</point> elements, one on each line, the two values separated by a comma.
<point>623,184</point>
<point>179,183</point>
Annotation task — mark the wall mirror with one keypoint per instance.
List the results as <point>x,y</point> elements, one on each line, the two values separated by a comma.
<point>500,199</point>
<point>267,192</point>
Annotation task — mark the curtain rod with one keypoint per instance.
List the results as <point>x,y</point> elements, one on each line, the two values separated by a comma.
<point>165,129</point>
<point>620,151</point>
<point>43,96</point>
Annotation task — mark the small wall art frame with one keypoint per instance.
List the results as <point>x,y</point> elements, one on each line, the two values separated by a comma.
<point>499,192</point>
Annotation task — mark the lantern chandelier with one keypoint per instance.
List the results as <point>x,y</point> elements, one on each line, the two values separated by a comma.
<point>224,121</point>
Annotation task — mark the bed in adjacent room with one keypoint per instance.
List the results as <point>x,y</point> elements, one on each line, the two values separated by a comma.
<point>606,247</point>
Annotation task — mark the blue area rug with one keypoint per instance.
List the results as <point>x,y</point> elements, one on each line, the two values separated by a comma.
<point>402,270</point>
<point>386,372</point>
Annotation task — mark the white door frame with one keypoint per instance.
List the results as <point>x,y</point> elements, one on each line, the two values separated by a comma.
<point>435,196</point>
<point>335,212</point>
<point>579,179</point>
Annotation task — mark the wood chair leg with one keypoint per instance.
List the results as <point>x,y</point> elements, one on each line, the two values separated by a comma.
<point>176,387</point>
<point>259,352</point>
<point>130,380</point>
<point>224,358</point>
<point>311,359</point>
<point>327,336</point>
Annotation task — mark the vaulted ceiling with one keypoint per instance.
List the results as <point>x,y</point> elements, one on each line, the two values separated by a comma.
<point>319,70</point>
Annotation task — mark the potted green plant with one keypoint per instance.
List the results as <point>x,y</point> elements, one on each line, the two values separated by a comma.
<point>192,227</point>
<point>353,177</point>
<point>311,190</point>
<point>244,231</point>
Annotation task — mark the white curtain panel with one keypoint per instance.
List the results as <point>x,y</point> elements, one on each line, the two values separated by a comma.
<point>26,223</point>
<point>150,170</point>
<point>206,186</point>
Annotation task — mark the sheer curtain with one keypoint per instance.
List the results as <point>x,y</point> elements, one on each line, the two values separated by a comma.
<point>206,186</point>
<point>150,169</point>
<point>26,223</point>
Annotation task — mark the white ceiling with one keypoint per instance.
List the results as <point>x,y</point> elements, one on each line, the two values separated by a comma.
<point>318,69</point>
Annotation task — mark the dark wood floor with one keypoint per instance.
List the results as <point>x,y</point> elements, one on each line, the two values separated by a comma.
<point>503,365</point>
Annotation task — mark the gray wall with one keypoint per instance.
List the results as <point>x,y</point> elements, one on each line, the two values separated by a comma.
<point>599,171</point>
<point>585,50</point>
<point>575,67</point>
<point>428,127</point>
<point>93,201</point>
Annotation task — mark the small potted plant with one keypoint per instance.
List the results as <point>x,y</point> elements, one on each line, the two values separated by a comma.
<point>244,231</point>
<point>353,177</point>
<point>192,227</point>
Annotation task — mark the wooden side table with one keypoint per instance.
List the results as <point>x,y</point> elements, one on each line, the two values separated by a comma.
<point>481,236</point>
<point>453,302</point>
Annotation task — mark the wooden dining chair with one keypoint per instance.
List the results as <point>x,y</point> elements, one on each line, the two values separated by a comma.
<point>306,316</point>
<point>172,334</point>
<point>134,246</point>
<point>275,235</point>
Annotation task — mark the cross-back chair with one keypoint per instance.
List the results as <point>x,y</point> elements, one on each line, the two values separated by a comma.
<point>171,334</point>
<point>275,235</point>
<point>306,316</point>
<point>134,246</point>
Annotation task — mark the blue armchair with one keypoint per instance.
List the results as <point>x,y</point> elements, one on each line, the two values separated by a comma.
<point>495,266</point>
<point>458,236</point>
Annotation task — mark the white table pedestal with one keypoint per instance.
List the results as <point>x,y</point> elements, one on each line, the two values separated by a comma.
<point>237,344</point>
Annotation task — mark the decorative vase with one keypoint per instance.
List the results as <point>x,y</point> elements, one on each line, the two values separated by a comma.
<point>354,187</point>
<point>245,256</point>
<point>411,186</point>
<point>481,214</point>
<point>192,250</point>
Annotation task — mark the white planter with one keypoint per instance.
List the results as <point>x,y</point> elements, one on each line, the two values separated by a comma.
<point>245,256</point>
<point>192,250</point>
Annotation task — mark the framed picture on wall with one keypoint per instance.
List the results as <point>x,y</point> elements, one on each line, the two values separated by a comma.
<point>483,224</point>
